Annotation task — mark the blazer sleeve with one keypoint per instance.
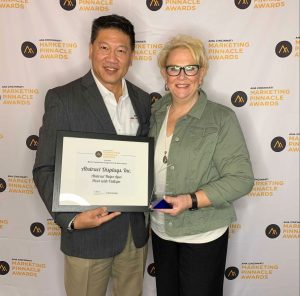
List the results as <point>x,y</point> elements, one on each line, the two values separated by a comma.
<point>55,118</point>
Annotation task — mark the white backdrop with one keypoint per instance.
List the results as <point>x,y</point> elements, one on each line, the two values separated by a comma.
<point>253,48</point>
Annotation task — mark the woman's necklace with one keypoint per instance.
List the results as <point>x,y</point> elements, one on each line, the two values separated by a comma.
<point>167,147</point>
<point>165,157</point>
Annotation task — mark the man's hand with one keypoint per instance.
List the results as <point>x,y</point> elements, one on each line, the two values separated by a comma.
<point>93,218</point>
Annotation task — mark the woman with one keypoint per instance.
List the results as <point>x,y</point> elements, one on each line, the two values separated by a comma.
<point>202,165</point>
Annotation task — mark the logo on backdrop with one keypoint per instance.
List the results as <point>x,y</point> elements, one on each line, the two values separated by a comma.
<point>32,142</point>
<point>154,5</point>
<point>261,96</point>
<point>234,228</point>
<point>145,51</point>
<point>3,222</point>
<point>13,4</point>
<point>2,185</point>
<point>278,144</point>
<point>20,185</point>
<point>26,268</point>
<point>18,95</point>
<point>294,142</point>
<point>87,5</point>
<point>49,49</point>
<point>226,49</point>
<point>242,4</point>
<point>263,187</point>
<point>151,269</point>
<point>68,4</point>
<point>291,230</point>
<point>267,96</point>
<point>4,268</point>
<point>56,49</point>
<point>37,229</point>
<point>173,5</point>
<point>232,273</point>
<point>283,49</point>
<point>28,49</point>
<point>297,47</point>
<point>52,228</point>
<point>239,99</point>
<point>272,231</point>
<point>257,270</point>
<point>269,4</point>
<point>251,271</point>
<point>154,97</point>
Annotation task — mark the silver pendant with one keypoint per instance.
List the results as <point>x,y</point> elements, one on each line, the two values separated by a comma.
<point>165,159</point>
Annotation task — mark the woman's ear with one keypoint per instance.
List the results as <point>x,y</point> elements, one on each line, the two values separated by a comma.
<point>202,72</point>
<point>164,73</point>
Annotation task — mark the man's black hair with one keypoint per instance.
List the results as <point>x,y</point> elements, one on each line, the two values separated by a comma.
<point>113,21</point>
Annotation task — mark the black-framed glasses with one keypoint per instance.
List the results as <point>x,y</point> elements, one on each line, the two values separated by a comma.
<point>189,70</point>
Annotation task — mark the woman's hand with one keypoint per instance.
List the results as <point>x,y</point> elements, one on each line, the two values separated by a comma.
<point>93,218</point>
<point>179,204</point>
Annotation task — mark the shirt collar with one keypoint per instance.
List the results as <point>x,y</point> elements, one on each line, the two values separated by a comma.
<point>106,92</point>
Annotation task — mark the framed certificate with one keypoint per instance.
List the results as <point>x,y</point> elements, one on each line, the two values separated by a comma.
<point>96,170</point>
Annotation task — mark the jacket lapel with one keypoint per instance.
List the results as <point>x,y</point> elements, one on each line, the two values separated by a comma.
<point>136,106</point>
<point>94,99</point>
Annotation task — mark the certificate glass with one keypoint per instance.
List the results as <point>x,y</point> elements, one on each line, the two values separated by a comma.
<point>97,170</point>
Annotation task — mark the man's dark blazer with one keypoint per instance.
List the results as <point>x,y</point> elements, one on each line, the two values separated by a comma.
<point>79,106</point>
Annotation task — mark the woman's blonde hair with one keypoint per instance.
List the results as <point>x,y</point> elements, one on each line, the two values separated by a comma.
<point>194,45</point>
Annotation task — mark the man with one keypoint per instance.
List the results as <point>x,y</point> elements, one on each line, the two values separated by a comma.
<point>98,245</point>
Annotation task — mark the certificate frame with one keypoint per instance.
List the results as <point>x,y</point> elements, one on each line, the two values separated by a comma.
<point>102,170</point>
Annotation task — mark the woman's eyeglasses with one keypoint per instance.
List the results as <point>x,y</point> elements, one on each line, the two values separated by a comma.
<point>189,70</point>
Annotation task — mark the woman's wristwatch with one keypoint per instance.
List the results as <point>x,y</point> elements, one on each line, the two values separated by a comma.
<point>194,202</point>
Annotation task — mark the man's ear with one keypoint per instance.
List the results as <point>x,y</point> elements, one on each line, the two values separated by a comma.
<point>132,57</point>
<point>90,49</point>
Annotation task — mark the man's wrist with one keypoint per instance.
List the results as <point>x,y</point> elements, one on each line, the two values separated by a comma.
<point>71,226</point>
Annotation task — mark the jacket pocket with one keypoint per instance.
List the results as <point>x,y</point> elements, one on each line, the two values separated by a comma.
<point>201,139</point>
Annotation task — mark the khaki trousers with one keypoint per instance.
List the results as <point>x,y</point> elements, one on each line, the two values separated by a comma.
<point>90,277</point>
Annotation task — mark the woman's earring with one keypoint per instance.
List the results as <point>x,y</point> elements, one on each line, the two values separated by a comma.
<point>166,87</point>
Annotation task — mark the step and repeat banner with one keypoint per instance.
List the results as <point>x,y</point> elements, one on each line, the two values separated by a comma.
<point>253,49</point>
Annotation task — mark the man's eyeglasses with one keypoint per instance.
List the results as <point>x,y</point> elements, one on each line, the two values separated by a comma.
<point>189,70</point>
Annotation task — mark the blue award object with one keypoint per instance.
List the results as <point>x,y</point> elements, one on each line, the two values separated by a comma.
<point>161,204</point>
